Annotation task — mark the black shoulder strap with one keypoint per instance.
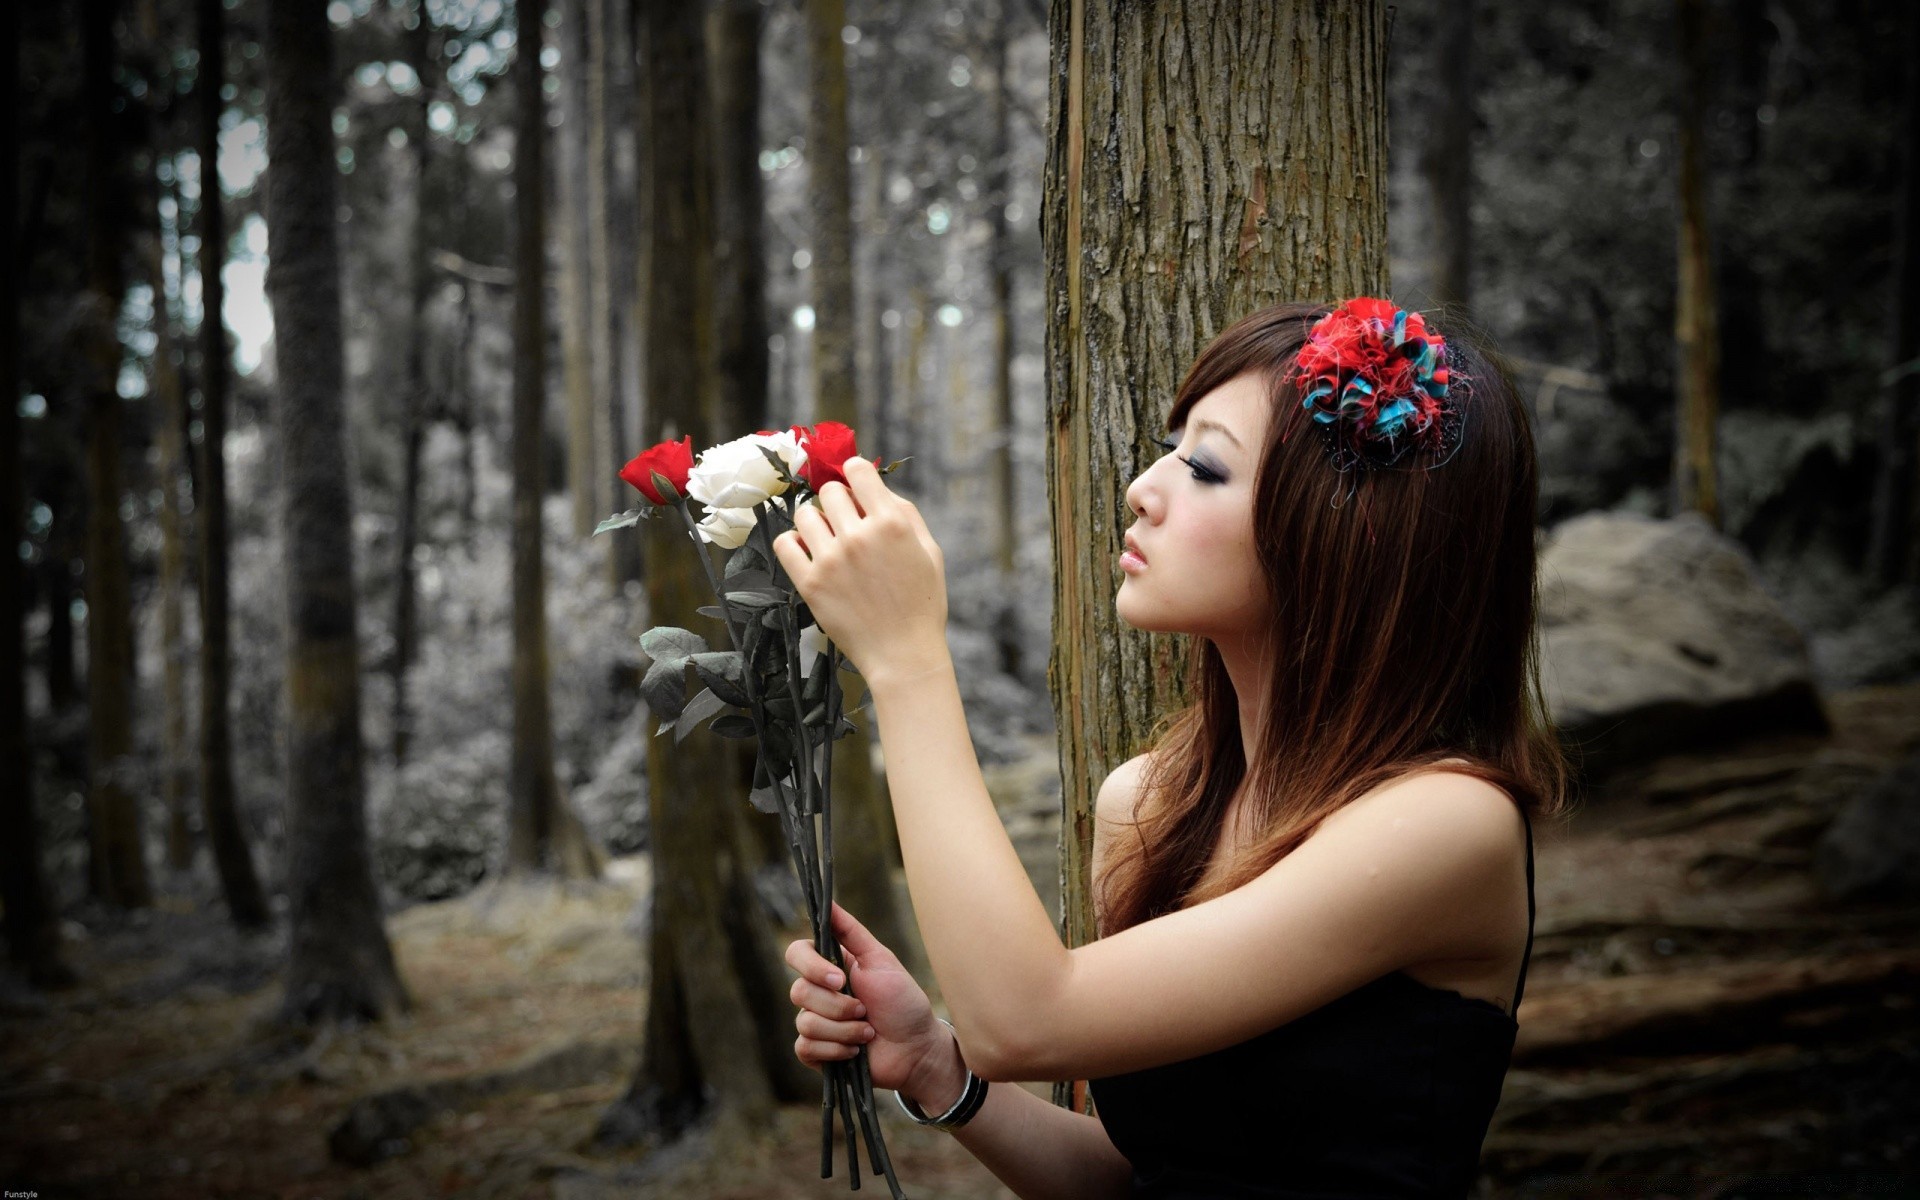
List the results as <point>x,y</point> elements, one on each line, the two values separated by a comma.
<point>1527,957</point>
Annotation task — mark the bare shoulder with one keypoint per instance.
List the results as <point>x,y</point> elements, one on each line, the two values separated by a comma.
<point>1120,791</point>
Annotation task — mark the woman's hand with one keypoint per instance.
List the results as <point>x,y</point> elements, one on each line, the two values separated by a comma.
<point>888,1013</point>
<point>871,574</point>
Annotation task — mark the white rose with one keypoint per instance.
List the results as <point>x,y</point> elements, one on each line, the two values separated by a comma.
<point>737,474</point>
<point>727,527</point>
<point>813,643</point>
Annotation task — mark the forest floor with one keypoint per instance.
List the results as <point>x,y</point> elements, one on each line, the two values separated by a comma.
<point>1698,1021</point>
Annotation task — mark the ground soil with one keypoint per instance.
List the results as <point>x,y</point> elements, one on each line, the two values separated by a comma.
<point>1669,894</point>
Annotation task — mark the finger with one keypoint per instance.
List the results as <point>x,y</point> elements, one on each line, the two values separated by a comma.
<point>811,525</point>
<point>802,957</point>
<point>818,1028</point>
<point>863,478</point>
<point>854,936</point>
<point>828,1003</point>
<point>792,553</point>
<point>814,1053</point>
<point>838,504</point>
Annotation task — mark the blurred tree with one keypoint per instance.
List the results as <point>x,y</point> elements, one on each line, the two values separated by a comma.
<point>118,870</point>
<point>1696,315</point>
<point>219,807</point>
<point>32,926</point>
<point>423,53</point>
<point>586,467</point>
<point>716,1008</point>
<point>340,965</point>
<point>543,832</point>
<point>1002,484</point>
<point>1158,235</point>
<point>1894,545</point>
<point>611,269</point>
<point>868,848</point>
<point>1446,156</point>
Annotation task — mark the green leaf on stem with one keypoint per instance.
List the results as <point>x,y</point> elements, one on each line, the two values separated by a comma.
<point>664,643</point>
<point>625,520</point>
<point>698,709</point>
<point>725,672</point>
<point>753,578</point>
<point>733,725</point>
<point>664,688</point>
<point>766,799</point>
<point>744,558</point>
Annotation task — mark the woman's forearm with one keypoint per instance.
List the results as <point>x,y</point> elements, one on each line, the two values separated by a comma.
<point>988,936</point>
<point>1038,1149</point>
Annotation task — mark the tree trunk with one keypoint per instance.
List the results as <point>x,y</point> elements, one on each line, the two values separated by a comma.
<point>415,405</point>
<point>1003,483</point>
<point>219,808</point>
<point>867,849</point>
<point>340,966</point>
<point>118,867</point>
<point>1696,317</point>
<point>544,834</point>
<point>176,745</point>
<point>604,326</point>
<point>1446,158</point>
<point>739,300</point>
<point>1158,233</point>
<point>585,465</point>
<point>32,926</point>
<point>1894,548</point>
<point>716,1010</point>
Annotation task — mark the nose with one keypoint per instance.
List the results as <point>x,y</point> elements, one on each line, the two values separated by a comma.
<point>1143,498</point>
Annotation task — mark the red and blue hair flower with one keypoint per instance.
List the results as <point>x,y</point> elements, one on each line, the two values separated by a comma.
<point>1375,381</point>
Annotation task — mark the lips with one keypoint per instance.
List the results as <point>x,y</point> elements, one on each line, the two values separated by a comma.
<point>1133,548</point>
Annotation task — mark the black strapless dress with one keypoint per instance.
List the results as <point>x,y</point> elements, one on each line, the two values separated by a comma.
<point>1386,1091</point>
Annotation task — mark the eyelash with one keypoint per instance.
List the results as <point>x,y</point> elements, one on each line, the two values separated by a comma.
<point>1200,473</point>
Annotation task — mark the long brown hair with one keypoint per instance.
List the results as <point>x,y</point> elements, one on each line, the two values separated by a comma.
<point>1403,632</point>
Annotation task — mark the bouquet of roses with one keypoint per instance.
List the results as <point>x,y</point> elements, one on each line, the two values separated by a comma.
<point>777,683</point>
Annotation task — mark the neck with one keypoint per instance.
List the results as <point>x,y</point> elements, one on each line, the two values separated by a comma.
<point>1248,667</point>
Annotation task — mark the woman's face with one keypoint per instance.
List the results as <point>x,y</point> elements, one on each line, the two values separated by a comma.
<point>1194,526</point>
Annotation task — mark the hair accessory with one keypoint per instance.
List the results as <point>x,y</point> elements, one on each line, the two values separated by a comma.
<point>1376,383</point>
<point>972,1096</point>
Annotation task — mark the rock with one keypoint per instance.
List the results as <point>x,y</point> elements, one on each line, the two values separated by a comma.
<point>1658,635</point>
<point>1872,849</point>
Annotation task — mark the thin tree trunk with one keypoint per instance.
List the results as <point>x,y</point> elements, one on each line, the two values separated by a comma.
<point>739,299</point>
<point>1696,316</point>
<point>584,462</point>
<point>118,865</point>
<point>1002,481</point>
<point>219,807</point>
<point>32,927</point>
<point>1159,230</point>
<point>716,994</point>
<point>1446,158</point>
<point>176,742</point>
<point>1894,543</point>
<point>415,404</point>
<point>340,965</point>
<point>604,326</point>
<point>867,851</point>
<point>543,833</point>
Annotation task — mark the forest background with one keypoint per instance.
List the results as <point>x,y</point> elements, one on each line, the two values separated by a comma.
<point>1573,177</point>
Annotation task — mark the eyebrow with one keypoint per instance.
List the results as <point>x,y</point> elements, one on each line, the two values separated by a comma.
<point>1203,423</point>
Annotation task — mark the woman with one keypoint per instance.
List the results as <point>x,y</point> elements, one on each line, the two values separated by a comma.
<point>1315,891</point>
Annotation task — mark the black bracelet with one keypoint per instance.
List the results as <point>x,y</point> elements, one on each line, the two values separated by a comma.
<point>972,1096</point>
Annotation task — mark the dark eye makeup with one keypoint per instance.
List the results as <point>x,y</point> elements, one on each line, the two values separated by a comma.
<point>1200,472</point>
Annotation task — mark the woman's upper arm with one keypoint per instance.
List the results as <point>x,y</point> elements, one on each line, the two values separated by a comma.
<point>1405,875</point>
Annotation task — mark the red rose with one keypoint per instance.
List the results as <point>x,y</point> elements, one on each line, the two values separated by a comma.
<point>828,445</point>
<point>674,460</point>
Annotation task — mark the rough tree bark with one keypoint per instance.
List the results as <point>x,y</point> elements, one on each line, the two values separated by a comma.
<point>1160,228</point>
<point>543,832</point>
<point>118,865</point>
<point>867,848</point>
<point>219,807</point>
<point>1696,315</point>
<point>340,967</point>
<point>1003,482</point>
<point>716,1008</point>
<point>32,926</point>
